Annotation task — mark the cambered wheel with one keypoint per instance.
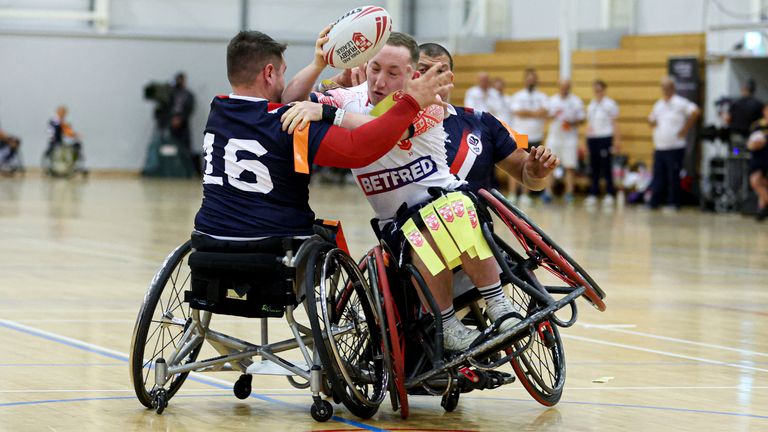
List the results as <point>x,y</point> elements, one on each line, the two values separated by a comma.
<point>162,320</point>
<point>342,315</point>
<point>541,369</point>
<point>543,249</point>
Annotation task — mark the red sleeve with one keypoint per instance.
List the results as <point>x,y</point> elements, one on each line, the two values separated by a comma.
<point>362,146</point>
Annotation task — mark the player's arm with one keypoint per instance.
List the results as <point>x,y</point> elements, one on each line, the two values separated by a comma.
<point>529,168</point>
<point>300,86</point>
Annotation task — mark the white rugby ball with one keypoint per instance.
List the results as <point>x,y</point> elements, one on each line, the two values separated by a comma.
<point>357,36</point>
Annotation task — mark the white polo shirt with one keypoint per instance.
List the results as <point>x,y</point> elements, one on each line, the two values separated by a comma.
<point>525,100</point>
<point>670,116</point>
<point>600,117</point>
<point>564,111</point>
<point>483,100</point>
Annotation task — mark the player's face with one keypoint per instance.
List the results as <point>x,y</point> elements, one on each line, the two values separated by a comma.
<point>426,62</point>
<point>388,71</point>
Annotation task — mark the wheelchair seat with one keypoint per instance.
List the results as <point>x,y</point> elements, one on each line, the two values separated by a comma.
<point>243,278</point>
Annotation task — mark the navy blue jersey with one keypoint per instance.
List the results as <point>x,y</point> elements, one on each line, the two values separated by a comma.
<point>476,142</point>
<point>251,187</point>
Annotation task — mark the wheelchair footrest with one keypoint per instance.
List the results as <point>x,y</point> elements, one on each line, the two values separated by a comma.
<point>267,367</point>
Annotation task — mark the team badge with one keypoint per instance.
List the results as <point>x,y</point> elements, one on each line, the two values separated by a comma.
<point>446,213</point>
<point>472,217</point>
<point>416,239</point>
<point>432,222</point>
<point>458,208</point>
<point>474,144</point>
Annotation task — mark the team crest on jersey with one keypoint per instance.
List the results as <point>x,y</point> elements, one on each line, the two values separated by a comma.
<point>458,208</point>
<point>446,213</point>
<point>405,144</point>
<point>361,42</point>
<point>416,239</point>
<point>432,222</point>
<point>472,217</point>
<point>474,144</point>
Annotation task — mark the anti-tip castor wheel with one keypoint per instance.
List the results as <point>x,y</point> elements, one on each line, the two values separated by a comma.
<point>321,411</point>
<point>242,386</point>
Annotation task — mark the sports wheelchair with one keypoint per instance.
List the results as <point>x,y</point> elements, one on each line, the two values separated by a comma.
<point>64,159</point>
<point>413,347</point>
<point>337,339</point>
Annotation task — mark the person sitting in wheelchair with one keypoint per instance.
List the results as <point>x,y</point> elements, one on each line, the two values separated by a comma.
<point>61,134</point>
<point>9,152</point>
<point>256,179</point>
<point>398,184</point>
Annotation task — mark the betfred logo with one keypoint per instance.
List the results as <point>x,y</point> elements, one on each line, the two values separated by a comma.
<point>387,180</point>
<point>458,208</point>
<point>432,222</point>
<point>472,217</point>
<point>361,42</point>
<point>416,239</point>
<point>446,213</point>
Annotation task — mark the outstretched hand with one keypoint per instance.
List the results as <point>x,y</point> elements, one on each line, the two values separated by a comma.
<point>426,88</point>
<point>322,38</point>
<point>540,163</point>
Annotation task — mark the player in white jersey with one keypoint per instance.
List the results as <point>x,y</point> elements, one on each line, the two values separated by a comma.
<point>403,176</point>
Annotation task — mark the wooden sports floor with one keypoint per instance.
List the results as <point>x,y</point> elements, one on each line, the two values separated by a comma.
<point>683,345</point>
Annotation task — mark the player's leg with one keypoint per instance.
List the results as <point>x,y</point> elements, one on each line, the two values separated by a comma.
<point>484,274</point>
<point>759,184</point>
<point>456,336</point>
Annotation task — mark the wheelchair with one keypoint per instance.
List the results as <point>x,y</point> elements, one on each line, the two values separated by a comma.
<point>414,353</point>
<point>338,339</point>
<point>64,160</point>
<point>11,161</point>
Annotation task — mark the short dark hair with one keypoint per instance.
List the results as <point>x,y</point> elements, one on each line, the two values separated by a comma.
<point>601,83</point>
<point>248,53</point>
<point>750,86</point>
<point>407,41</point>
<point>430,49</point>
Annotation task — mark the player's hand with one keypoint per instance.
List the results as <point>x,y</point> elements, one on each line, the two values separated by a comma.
<point>425,89</point>
<point>322,38</point>
<point>540,162</point>
<point>351,77</point>
<point>300,114</point>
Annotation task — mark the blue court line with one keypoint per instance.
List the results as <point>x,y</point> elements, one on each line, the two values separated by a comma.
<point>51,401</point>
<point>648,407</point>
<point>124,358</point>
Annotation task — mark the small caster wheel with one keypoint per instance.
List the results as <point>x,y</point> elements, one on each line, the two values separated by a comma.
<point>159,400</point>
<point>549,338</point>
<point>450,401</point>
<point>242,386</point>
<point>321,411</point>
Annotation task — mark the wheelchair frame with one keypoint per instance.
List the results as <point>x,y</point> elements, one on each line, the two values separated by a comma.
<point>235,354</point>
<point>481,355</point>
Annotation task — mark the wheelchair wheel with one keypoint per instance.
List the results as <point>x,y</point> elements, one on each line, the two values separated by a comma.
<point>540,247</point>
<point>541,367</point>
<point>342,315</point>
<point>162,320</point>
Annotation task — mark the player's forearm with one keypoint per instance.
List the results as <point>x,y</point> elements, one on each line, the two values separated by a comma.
<point>367,143</point>
<point>299,88</point>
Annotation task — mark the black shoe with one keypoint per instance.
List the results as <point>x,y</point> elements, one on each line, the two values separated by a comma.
<point>762,213</point>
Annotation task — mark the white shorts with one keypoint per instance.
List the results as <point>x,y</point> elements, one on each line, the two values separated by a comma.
<point>566,150</point>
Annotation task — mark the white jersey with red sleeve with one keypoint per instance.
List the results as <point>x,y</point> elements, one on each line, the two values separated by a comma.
<point>406,172</point>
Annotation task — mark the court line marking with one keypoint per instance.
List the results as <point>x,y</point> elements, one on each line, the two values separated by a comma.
<point>648,407</point>
<point>50,401</point>
<point>666,353</point>
<point>107,352</point>
<point>678,340</point>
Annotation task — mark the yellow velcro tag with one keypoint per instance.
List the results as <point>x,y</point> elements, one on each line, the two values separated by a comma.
<point>440,235</point>
<point>481,246</point>
<point>422,248</point>
<point>462,228</point>
<point>385,104</point>
<point>443,207</point>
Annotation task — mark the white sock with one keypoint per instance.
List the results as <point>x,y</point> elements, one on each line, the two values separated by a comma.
<point>448,317</point>
<point>492,293</point>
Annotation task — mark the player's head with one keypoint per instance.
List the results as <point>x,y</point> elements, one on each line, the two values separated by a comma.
<point>431,54</point>
<point>255,61</point>
<point>392,67</point>
<point>599,87</point>
<point>565,86</point>
<point>61,111</point>
<point>531,78</point>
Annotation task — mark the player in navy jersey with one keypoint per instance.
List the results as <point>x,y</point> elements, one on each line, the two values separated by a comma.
<point>477,141</point>
<point>256,180</point>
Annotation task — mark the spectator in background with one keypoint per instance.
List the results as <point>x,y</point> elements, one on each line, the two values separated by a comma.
<point>182,106</point>
<point>529,113</point>
<point>742,113</point>
<point>567,112</point>
<point>602,136</point>
<point>483,97</point>
<point>671,118</point>
<point>758,169</point>
<point>505,101</point>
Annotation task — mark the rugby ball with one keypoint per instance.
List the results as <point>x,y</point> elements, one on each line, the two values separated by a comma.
<point>357,36</point>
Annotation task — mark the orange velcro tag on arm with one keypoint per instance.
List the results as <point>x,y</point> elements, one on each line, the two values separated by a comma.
<point>301,150</point>
<point>520,139</point>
